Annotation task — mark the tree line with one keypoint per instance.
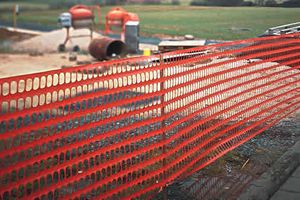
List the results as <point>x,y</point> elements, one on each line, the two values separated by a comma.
<point>267,3</point>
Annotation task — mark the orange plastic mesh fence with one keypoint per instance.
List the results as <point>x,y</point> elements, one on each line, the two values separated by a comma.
<point>124,129</point>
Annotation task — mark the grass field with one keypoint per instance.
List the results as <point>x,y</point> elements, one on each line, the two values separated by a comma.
<point>203,22</point>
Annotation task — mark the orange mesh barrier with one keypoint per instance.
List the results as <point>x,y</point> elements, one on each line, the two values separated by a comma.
<point>124,129</point>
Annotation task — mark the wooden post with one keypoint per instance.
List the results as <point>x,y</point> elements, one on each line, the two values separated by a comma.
<point>15,16</point>
<point>162,101</point>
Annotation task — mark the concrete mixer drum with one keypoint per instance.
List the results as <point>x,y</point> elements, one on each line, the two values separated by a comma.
<point>82,17</point>
<point>78,17</point>
<point>118,17</point>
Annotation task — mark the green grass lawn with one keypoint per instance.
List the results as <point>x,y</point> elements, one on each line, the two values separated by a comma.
<point>227,23</point>
<point>214,22</point>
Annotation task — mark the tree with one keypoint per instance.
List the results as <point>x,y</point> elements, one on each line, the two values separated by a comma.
<point>175,2</point>
<point>218,2</point>
<point>259,2</point>
<point>271,3</point>
<point>291,3</point>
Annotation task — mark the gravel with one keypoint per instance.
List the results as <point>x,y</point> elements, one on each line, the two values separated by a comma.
<point>228,174</point>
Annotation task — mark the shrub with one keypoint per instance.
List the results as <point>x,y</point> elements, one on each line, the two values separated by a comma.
<point>217,2</point>
<point>291,3</point>
<point>175,2</point>
<point>248,3</point>
<point>271,3</point>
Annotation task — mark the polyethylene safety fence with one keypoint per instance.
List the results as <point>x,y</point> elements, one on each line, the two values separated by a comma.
<point>125,129</point>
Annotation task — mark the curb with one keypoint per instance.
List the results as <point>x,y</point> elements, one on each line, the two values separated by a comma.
<point>269,182</point>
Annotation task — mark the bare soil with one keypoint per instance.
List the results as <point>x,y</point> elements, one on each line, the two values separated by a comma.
<point>13,36</point>
<point>48,42</point>
<point>18,64</point>
<point>230,175</point>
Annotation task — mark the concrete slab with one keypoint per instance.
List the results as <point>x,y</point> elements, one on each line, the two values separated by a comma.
<point>280,195</point>
<point>292,185</point>
<point>297,173</point>
<point>273,179</point>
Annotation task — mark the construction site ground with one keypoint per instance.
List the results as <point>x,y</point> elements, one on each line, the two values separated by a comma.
<point>253,171</point>
<point>17,64</point>
<point>25,51</point>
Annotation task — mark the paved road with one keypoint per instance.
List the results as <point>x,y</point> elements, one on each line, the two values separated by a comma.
<point>290,190</point>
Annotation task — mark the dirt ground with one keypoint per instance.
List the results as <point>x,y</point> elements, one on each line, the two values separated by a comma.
<point>48,42</point>
<point>27,41</point>
<point>25,51</point>
<point>18,64</point>
<point>227,177</point>
<point>6,34</point>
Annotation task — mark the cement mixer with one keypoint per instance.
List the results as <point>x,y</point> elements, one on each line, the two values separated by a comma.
<point>78,17</point>
<point>118,17</point>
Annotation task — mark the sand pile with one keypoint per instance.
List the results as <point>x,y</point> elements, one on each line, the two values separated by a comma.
<point>49,42</point>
